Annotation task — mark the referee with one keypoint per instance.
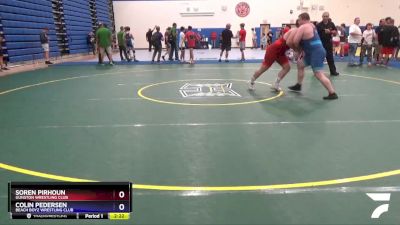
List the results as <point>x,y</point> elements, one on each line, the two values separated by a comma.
<point>325,31</point>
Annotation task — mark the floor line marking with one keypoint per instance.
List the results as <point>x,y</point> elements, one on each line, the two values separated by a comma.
<point>199,124</point>
<point>212,188</point>
<point>285,191</point>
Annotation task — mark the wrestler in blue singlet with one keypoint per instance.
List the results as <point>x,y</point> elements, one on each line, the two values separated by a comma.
<point>314,52</point>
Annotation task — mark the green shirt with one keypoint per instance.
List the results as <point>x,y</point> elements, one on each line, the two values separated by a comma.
<point>173,32</point>
<point>121,38</point>
<point>104,37</point>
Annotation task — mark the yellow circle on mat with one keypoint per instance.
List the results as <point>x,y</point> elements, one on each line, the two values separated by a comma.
<point>140,93</point>
<point>137,186</point>
<point>213,188</point>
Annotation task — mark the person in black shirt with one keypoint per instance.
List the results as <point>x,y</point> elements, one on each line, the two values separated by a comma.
<point>326,28</point>
<point>157,39</point>
<point>378,41</point>
<point>148,37</point>
<point>226,43</point>
<point>343,38</point>
<point>269,39</point>
<point>389,38</point>
<point>398,46</point>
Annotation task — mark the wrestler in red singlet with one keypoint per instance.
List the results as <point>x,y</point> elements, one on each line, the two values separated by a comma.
<point>276,52</point>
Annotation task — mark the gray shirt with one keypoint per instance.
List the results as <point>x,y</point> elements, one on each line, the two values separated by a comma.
<point>44,38</point>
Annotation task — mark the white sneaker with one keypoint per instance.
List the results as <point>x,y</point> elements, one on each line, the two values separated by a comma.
<point>252,85</point>
<point>276,87</point>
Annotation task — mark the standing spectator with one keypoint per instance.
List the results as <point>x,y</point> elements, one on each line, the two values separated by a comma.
<point>107,53</point>
<point>191,38</point>
<point>269,37</point>
<point>167,43</point>
<point>91,41</point>
<point>174,47</point>
<point>242,41</point>
<point>2,66</point>
<point>122,44</point>
<point>214,36</point>
<point>148,37</point>
<point>199,40</point>
<point>396,38</point>
<point>226,42</point>
<point>182,44</point>
<point>378,42</point>
<point>254,38</point>
<point>130,47</point>
<point>157,39</point>
<point>285,28</point>
<point>336,41</point>
<point>389,40</point>
<point>398,46</point>
<point>355,37</point>
<point>44,40</point>
<point>326,28</point>
<point>263,41</point>
<point>237,38</point>
<point>104,40</point>
<point>343,39</point>
<point>1,53</point>
<point>366,45</point>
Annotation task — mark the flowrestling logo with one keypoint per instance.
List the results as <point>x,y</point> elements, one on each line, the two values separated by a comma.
<point>380,197</point>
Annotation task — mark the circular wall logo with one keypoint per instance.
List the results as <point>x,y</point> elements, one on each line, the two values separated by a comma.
<point>242,9</point>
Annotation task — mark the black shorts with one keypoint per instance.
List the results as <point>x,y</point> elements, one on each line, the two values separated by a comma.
<point>157,48</point>
<point>1,51</point>
<point>226,47</point>
<point>182,48</point>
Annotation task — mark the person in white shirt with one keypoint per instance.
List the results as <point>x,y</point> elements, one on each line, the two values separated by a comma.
<point>263,42</point>
<point>336,41</point>
<point>366,46</point>
<point>254,37</point>
<point>355,37</point>
<point>182,44</point>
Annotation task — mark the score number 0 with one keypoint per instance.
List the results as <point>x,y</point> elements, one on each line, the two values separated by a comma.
<point>121,194</point>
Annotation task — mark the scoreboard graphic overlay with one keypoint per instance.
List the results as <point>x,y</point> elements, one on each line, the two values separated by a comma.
<point>58,200</point>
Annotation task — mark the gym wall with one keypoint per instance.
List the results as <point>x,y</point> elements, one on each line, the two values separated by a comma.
<point>141,15</point>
